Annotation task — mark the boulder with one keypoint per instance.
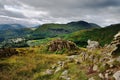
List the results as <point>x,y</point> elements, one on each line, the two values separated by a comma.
<point>115,44</point>
<point>60,44</point>
<point>117,75</point>
<point>92,45</point>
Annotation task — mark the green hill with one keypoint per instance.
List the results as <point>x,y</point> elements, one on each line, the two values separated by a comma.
<point>53,30</point>
<point>103,35</point>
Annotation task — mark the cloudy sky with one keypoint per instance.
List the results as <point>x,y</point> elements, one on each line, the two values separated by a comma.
<point>34,12</point>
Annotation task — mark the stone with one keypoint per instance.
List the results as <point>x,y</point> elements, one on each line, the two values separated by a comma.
<point>106,76</point>
<point>117,75</point>
<point>109,71</point>
<point>53,66</point>
<point>92,45</point>
<point>118,59</point>
<point>91,78</point>
<point>117,35</point>
<point>110,63</point>
<point>101,76</point>
<point>71,58</point>
<point>61,63</point>
<point>78,61</point>
<point>64,75</point>
<point>49,72</point>
<point>95,68</point>
<point>58,69</point>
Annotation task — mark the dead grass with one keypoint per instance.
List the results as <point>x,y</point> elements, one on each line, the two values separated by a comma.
<point>27,65</point>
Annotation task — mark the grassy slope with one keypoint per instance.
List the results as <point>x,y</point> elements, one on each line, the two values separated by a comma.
<point>33,64</point>
<point>29,66</point>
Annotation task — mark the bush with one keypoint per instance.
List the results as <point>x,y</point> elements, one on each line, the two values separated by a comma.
<point>7,52</point>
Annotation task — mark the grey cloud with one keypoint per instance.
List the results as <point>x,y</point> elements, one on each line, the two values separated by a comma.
<point>102,12</point>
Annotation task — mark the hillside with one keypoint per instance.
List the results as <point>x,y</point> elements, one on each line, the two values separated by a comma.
<point>53,30</point>
<point>61,60</point>
<point>102,35</point>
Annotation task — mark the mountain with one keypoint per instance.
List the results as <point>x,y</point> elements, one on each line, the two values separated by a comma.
<point>52,30</point>
<point>11,26</point>
<point>102,35</point>
<point>83,24</point>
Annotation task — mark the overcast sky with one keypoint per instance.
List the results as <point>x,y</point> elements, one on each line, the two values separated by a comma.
<point>34,12</point>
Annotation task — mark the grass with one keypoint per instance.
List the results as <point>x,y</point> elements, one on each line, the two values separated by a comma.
<point>26,67</point>
<point>32,62</point>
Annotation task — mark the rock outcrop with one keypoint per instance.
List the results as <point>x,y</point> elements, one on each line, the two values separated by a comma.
<point>116,44</point>
<point>92,45</point>
<point>59,44</point>
<point>93,60</point>
<point>117,75</point>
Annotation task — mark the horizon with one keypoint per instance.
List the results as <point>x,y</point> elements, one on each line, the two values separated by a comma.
<point>37,12</point>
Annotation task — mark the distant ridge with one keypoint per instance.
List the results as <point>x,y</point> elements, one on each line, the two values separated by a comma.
<point>84,24</point>
<point>52,29</point>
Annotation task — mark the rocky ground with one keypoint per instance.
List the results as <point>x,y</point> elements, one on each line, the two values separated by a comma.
<point>91,63</point>
<point>99,63</point>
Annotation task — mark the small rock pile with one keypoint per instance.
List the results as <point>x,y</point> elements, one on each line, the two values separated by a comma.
<point>59,44</point>
<point>57,68</point>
